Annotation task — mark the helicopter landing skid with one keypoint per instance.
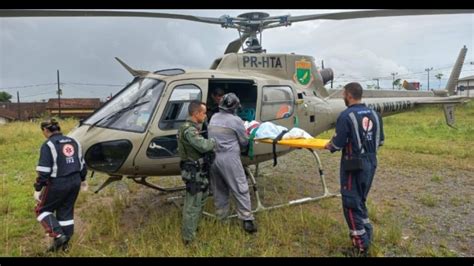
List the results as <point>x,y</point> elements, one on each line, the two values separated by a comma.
<point>109,180</point>
<point>260,207</point>
<point>142,181</point>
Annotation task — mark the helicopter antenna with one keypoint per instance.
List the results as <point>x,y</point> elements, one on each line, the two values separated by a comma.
<point>132,71</point>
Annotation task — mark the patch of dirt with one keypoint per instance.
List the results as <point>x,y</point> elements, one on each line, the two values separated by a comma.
<point>434,204</point>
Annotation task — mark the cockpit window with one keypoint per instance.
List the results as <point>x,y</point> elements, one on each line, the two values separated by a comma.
<point>176,110</point>
<point>132,109</point>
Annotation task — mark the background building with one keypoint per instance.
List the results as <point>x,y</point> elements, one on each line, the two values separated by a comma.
<point>25,111</point>
<point>70,107</point>
<point>73,107</point>
<point>466,86</point>
<point>6,116</point>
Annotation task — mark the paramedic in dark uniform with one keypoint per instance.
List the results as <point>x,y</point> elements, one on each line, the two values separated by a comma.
<point>60,170</point>
<point>359,133</point>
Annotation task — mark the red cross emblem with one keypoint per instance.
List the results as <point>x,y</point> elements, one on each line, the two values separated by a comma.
<point>68,150</point>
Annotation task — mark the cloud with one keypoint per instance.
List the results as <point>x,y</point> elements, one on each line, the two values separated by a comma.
<point>360,64</point>
<point>83,49</point>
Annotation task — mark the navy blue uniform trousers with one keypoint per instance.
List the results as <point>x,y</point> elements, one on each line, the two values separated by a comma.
<point>354,189</point>
<point>58,198</point>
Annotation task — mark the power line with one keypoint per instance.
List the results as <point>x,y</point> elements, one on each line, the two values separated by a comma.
<point>95,84</point>
<point>344,78</point>
<point>27,86</point>
<point>62,83</point>
<point>33,95</point>
<point>422,72</point>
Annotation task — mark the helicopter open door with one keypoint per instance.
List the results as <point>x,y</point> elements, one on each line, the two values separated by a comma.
<point>159,148</point>
<point>246,90</point>
<point>262,100</point>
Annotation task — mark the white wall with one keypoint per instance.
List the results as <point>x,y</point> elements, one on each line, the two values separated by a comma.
<point>3,120</point>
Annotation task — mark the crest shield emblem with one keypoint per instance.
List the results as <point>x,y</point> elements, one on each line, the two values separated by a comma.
<point>303,73</point>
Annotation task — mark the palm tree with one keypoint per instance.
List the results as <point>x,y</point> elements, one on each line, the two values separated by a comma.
<point>438,76</point>
<point>397,83</point>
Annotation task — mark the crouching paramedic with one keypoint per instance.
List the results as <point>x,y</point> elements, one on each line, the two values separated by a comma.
<point>60,170</point>
<point>196,154</point>
<point>359,133</point>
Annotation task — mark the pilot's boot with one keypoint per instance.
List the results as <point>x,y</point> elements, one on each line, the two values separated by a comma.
<point>57,243</point>
<point>249,226</point>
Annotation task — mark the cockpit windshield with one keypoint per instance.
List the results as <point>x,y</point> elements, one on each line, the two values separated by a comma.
<point>132,108</point>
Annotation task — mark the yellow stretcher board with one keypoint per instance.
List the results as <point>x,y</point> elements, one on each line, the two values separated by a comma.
<point>299,143</point>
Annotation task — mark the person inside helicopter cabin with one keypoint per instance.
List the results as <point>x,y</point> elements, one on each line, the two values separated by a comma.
<point>213,105</point>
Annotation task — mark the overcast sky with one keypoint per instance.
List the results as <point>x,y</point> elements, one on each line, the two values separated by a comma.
<point>83,48</point>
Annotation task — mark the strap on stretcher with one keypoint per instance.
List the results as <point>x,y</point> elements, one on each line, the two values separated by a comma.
<point>312,143</point>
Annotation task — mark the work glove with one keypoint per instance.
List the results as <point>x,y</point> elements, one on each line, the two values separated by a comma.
<point>84,186</point>
<point>37,196</point>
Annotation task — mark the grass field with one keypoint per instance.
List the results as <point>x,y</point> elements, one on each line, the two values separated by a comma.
<point>420,203</point>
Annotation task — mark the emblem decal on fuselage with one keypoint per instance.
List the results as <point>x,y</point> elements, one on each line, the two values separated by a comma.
<point>303,73</point>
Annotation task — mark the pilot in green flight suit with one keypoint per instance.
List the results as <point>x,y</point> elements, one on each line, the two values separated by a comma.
<point>196,154</point>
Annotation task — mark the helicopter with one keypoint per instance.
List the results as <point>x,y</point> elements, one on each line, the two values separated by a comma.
<point>133,135</point>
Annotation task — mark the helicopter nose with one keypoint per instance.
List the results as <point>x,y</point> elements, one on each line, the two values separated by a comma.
<point>99,154</point>
<point>108,156</point>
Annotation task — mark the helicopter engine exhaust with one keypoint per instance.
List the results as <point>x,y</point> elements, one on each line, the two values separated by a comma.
<point>327,75</point>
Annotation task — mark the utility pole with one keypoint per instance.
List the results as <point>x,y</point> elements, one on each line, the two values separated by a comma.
<point>18,100</point>
<point>393,79</point>
<point>468,89</point>
<point>59,97</point>
<point>428,70</point>
<point>378,87</point>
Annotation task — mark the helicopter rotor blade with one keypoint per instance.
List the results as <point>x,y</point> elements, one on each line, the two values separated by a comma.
<point>234,46</point>
<point>375,13</point>
<point>102,13</point>
<point>227,21</point>
<point>249,23</point>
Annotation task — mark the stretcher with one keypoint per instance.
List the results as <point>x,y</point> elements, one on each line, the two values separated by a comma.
<point>313,143</point>
<point>310,145</point>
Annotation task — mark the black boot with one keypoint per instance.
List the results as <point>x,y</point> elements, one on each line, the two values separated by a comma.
<point>66,245</point>
<point>249,226</point>
<point>57,243</point>
<point>355,252</point>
